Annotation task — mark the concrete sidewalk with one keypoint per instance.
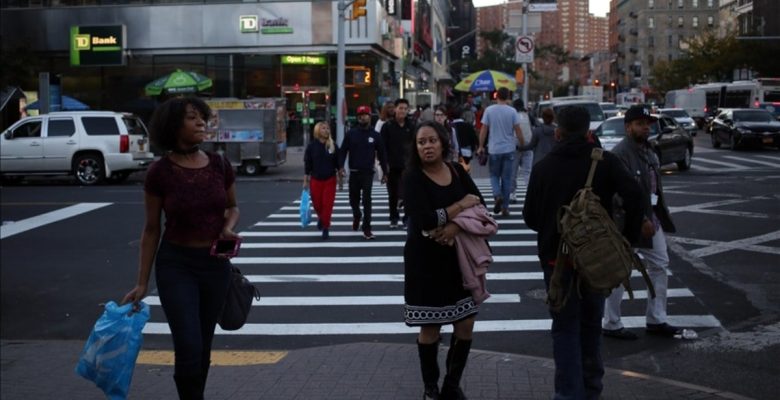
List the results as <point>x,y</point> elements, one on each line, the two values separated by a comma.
<point>377,371</point>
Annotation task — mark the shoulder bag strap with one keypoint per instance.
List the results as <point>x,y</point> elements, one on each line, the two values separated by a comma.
<point>596,155</point>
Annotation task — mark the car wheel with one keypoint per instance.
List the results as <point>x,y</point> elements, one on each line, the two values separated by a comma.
<point>10,179</point>
<point>714,140</point>
<point>252,168</point>
<point>88,169</point>
<point>685,163</point>
<point>118,177</point>
<point>732,142</point>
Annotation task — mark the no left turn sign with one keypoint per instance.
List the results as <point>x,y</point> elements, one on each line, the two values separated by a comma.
<point>525,44</point>
<point>524,49</point>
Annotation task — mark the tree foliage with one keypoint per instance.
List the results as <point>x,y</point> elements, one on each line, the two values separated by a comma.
<point>710,58</point>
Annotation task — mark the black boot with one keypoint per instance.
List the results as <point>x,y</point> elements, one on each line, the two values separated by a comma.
<point>429,365</point>
<point>189,387</point>
<point>456,363</point>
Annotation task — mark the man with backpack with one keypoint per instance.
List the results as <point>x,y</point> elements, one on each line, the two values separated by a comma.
<point>576,326</point>
<point>635,152</point>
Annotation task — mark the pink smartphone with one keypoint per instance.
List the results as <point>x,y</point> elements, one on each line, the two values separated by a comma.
<point>225,247</point>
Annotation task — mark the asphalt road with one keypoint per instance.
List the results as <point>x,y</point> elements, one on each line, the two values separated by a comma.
<point>725,259</point>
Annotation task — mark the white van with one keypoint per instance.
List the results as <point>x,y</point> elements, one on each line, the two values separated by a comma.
<point>90,145</point>
<point>694,102</point>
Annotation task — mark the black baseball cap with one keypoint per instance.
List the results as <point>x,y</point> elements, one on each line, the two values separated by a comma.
<point>638,112</point>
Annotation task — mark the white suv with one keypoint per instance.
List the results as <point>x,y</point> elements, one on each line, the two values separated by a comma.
<point>91,145</point>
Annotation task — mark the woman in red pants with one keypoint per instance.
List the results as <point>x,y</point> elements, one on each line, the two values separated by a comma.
<point>321,164</point>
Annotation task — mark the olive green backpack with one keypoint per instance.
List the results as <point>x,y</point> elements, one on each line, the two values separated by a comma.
<point>602,258</point>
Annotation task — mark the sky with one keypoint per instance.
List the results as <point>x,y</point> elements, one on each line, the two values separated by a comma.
<point>597,7</point>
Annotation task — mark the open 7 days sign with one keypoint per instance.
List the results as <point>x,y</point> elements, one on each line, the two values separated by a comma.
<point>102,45</point>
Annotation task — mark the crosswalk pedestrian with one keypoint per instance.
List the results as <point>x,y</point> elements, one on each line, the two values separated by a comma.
<point>350,286</point>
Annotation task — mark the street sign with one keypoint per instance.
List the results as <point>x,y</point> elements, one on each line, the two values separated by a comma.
<point>542,7</point>
<point>524,49</point>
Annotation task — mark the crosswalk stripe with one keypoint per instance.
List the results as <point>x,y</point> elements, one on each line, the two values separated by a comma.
<point>367,244</point>
<point>748,160</point>
<point>344,300</point>
<point>378,328</point>
<point>309,278</point>
<point>773,158</point>
<point>355,260</point>
<point>516,206</point>
<point>10,229</point>
<point>397,232</point>
<point>723,163</point>
<point>316,301</point>
<point>349,223</point>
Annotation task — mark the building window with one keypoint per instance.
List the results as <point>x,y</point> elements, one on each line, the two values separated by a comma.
<point>680,3</point>
<point>709,3</point>
<point>651,41</point>
<point>650,3</point>
<point>680,22</point>
<point>710,21</point>
<point>695,3</point>
<point>669,42</point>
<point>650,60</point>
<point>695,22</point>
<point>651,22</point>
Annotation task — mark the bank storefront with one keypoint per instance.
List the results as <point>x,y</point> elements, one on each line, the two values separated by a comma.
<point>284,49</point>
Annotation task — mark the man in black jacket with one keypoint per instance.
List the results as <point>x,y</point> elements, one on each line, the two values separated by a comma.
<point>640,159</point>
<point>576,329</point>
<point>397,135</point>
<point>363,145</point>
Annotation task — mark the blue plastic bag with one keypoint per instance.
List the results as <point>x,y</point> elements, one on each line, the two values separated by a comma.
<point>305,208</point>
<point>109,356</point>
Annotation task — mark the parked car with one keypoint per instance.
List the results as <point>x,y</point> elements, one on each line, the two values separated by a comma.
<point>745,127</point>
<point>670,141</point>
<point>93,146</point>
<point>610,110</point>
<point>682,118</point>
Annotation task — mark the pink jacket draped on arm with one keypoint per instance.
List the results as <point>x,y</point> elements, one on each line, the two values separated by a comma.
<point>474,255</point>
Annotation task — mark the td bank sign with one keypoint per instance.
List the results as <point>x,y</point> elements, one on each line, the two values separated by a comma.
<point>252,24</point>
<point>102,45</point>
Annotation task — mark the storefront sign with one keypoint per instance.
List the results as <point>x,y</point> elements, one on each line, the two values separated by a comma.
<point>274,26</point>
<point>248,23</point>
<point>97,45</point>
<point>304,60</point>
<point>390,7</point>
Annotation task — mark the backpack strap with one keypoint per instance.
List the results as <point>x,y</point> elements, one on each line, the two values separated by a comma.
<point>596,155</point>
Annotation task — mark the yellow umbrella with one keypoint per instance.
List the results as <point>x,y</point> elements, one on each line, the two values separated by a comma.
<point>486,81</point>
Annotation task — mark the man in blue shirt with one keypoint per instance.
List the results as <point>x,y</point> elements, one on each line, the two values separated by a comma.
<point>363,145</point>
<point>505,134</point>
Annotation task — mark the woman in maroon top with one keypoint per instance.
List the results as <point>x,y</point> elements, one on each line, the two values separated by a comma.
<point>196,191</point>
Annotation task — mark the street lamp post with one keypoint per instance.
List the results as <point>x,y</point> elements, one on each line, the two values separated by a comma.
<point>340,67</point>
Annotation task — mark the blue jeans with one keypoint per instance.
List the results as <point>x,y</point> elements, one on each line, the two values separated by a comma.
<point>193,286</point>
<point>524,160</point>
<point>501,174</point>
<point>576,333</point>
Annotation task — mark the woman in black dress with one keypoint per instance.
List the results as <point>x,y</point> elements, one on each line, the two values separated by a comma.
<point>436,191</point>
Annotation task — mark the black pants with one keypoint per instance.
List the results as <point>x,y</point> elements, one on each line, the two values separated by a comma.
<point>394,192</point>
<point>360,182</point>
<point>192,285</point>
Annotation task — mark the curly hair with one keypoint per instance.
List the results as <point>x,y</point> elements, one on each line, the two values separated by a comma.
<point>444,138</point>
<point>168,118</point>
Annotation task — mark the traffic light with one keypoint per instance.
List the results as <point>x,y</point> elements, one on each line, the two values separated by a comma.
<point>358,9</point>
<point>519,76</point>
<point>596,82</point>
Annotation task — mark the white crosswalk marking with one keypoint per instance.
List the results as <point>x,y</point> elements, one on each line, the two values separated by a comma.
<point>753,161</point>
<point>720,161</point>
<point>350,286</point>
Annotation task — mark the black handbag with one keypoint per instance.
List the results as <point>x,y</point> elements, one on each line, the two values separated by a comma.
<point>238,301</point>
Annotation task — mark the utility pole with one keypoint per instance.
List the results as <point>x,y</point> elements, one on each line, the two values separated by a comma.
<point>340,67</point>
<point>358,11</point>
<point>525,65</point>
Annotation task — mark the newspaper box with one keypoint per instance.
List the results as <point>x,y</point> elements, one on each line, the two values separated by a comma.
<point>250,133</point>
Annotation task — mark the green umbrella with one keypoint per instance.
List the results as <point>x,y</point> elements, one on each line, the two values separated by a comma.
<point>178,82</point>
